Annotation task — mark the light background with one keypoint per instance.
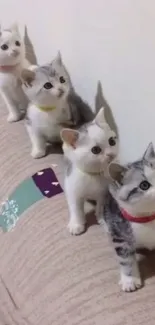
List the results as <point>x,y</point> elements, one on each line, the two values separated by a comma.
<point>108,40</point>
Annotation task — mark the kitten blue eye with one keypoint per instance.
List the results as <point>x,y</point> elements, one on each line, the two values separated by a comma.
<point>96,150</point>
<point>48,85</point>
<point>17,43</point>
<point>4,47</point>
<point>145,185</point>
<point>62,80</point>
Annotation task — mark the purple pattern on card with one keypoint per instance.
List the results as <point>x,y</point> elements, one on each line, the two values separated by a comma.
<point>47,182</point>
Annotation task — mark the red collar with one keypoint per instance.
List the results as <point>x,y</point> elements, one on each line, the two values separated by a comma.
<point>143,219</point>
<point>7,68</point>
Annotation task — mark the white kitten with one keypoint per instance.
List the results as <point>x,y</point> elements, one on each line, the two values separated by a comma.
<point>12,62</point>
<point>53,103</point>
<point>87,152</point>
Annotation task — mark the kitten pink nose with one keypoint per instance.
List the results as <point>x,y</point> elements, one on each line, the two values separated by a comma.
<point>15,53</point>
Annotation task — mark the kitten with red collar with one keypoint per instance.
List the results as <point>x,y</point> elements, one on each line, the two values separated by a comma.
<point>129,213</point>
<point>12,62</point>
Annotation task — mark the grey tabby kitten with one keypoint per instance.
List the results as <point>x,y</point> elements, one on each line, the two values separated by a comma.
<point>129,213</point>
<point>54,104</point>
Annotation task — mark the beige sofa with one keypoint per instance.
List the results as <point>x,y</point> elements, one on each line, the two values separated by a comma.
<point>48,277</point>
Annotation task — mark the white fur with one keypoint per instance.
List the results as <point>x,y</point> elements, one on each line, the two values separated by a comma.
<point>43,127</point>
<point>87,179</point>
<point>130,283</point>
<point>79,187</point>
<point>10,87</point>
<point>144,234</point>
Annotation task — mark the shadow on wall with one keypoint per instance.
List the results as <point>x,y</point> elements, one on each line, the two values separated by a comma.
<point>30,53</point>
<point>100,101</point>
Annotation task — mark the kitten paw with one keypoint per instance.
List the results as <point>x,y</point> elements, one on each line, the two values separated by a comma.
<point>76,229</point>
<point>12,117</point>
<point>102,223</point>
<point>129,283</point>
<point>100,220</point>
<point>37,153</point>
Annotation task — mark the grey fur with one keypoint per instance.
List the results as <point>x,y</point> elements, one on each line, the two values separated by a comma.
<point>122,236</point>
<point>127,190</point>
<point>119,227</point>
<point>131,179</point>
<point>75,111</point>
<point>80,110</point>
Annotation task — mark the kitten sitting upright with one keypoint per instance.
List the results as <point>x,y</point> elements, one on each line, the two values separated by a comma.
<point>53,104</point>
<point>130,214</point>
<point>12,62</point>
<point>87,152</point>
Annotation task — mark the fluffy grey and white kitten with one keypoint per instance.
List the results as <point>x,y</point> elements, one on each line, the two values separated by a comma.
<point>12,62</point>
<point>54,104</point>
<point>87,152</point>
<point>130,214</point>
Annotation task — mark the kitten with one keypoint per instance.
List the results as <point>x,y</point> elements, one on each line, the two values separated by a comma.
<point>53,104</point>
<point>87,152</point>
<point>130,214</point>
<point>12,61</point>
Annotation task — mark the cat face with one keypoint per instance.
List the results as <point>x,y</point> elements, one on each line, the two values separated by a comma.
<point>46,85</point>
<point>12,49</point>
<point>134,185</point>
<point>93,146</point>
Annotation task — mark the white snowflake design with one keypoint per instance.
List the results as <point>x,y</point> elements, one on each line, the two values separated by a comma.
<point>10,210</point>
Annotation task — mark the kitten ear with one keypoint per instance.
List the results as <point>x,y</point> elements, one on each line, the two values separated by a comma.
<point>27,76</point>
<point>117,172</point>
<point>70,136</point>
<point>149,153</point>
<point>14,28</point>
<point>58,59</point>
<point>100,118</point>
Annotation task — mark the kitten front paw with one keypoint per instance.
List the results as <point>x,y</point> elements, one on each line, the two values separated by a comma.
<point>76,229</point>
<point>102,223</point>
<point>38,153</point>
<point>129,283</point>
<point>13,117</point>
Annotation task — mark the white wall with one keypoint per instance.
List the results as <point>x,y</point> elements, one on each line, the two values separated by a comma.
<point>110,40</point>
